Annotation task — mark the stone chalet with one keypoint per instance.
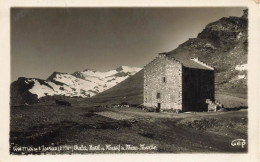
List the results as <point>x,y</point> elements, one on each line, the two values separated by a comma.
<point>178,84</point>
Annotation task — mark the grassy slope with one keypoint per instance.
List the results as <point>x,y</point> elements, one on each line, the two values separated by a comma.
<point>232,100</point>
<point>130,91</point>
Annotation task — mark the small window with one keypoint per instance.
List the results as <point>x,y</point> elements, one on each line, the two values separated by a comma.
<point>164,80</point>
<point>158,95</point>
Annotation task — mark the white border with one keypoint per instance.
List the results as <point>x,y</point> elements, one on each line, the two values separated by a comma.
<point>253,75</point>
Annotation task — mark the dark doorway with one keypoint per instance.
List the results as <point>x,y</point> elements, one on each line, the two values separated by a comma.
<point>158,107</point>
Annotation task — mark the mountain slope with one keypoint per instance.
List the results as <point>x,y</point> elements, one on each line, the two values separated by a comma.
<point>129,90</point>
<point>222,44</point>
<point>79,84</point>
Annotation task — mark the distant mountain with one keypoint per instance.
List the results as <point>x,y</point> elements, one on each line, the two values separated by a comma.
<point>79,84</point>
<point>222,44</point>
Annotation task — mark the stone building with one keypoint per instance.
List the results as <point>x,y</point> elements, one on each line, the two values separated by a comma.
<point>178,84</point>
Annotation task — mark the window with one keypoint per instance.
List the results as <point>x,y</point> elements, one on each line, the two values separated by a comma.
<point>164,79</point>
<point>158,95</point>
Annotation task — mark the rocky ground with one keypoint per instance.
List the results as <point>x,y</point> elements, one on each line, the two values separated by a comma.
<point>47,127</point>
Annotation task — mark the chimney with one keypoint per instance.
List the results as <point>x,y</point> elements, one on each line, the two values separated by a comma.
<point>162,54</point>
<point>195,58</point>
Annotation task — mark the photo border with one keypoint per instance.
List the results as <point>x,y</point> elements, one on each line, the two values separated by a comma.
<point>253,81</point>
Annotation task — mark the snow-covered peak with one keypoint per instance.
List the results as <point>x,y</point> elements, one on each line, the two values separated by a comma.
<point>128,69</point>
<point>82,84</point>
<point>99,74</point>
<point>241,67</point>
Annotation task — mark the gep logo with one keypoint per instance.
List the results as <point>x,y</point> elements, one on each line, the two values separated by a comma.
<point>238,142</point>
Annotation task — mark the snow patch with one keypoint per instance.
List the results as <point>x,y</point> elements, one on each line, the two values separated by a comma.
<point>210,45</point>
<point>241,67</point>
<point>130,69</point>
<point>241,76</point>
<point>239,35</point>
<point>41,90</point>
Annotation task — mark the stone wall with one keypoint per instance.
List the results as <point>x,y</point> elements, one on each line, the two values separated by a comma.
<point>170,88</point>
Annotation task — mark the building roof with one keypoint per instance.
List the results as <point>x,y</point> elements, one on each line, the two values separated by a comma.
<point>190,62</point>
<point>195,63</point>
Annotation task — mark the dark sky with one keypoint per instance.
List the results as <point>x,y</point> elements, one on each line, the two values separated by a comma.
<point>44,40</point>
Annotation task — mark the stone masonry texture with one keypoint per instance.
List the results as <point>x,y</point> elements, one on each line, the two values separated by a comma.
<point>168,85</point>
